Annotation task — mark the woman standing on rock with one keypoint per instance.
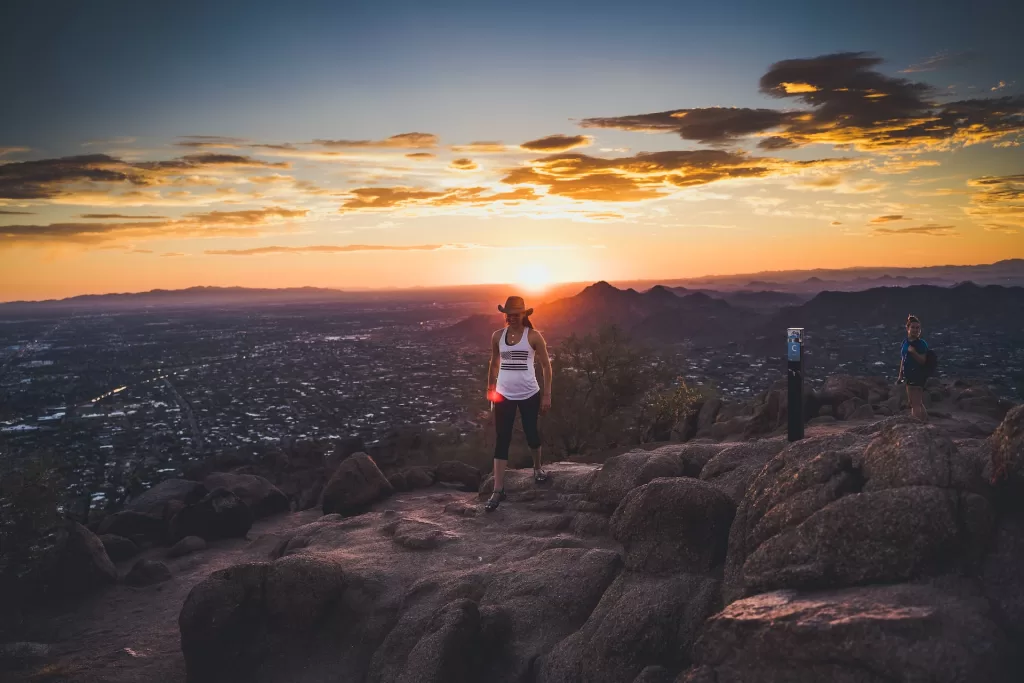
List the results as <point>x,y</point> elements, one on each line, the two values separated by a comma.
<point>512,385</point>
<point>913,367</point>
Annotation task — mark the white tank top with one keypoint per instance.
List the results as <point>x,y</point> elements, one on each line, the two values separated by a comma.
<point>517,378</point>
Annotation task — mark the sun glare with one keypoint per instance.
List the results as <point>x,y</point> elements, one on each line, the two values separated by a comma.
<point>534,277</point>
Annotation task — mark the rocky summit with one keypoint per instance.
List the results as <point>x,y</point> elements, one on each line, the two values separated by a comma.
<point>874,550</point>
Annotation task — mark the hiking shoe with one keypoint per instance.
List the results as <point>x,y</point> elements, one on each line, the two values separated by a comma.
<point>540,476</point>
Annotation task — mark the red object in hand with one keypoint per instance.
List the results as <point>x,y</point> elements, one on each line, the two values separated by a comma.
<point>493,396</point>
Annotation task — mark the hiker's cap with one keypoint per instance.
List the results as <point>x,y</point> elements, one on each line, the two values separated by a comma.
<point>515,304</point>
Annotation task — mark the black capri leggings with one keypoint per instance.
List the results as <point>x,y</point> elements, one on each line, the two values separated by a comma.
<point>505,420</point>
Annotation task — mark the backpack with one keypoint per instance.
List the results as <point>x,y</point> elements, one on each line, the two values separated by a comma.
<point>931,363</point>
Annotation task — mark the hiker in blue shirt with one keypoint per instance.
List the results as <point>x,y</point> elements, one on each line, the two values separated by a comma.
<point>913,369</point>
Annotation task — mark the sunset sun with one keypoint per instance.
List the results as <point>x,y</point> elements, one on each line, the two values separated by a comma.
<point>534,277</point>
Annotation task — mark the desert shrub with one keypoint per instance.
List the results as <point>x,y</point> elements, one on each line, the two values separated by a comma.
<point>661,409</point>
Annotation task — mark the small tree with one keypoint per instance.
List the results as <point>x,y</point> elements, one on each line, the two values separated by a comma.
<point>597,380</point>
<point>661,409</point>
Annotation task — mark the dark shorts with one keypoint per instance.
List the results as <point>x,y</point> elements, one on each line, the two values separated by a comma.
<point>505,421</point>
<point>915,378</point>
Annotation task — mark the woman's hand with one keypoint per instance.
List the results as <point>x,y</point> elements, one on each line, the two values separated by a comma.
<point>545,403</point>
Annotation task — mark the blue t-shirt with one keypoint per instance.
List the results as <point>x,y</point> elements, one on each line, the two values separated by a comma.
<point>911,368</point>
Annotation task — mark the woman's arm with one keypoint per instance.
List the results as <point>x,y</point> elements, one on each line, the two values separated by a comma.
<point>493,365</point>
<point>918,357</point>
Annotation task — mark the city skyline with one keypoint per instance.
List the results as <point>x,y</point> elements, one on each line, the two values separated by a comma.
<point>342,145</point>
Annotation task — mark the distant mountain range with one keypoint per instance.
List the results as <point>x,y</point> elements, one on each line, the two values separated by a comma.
<point>757,292</point>
<point>664,315</point>
<point>1006,273</point>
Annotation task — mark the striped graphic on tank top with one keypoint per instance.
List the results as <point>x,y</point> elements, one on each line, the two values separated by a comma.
<point>514,360</point>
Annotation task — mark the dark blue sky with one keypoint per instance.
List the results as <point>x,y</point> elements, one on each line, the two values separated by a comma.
<point>78,70</point>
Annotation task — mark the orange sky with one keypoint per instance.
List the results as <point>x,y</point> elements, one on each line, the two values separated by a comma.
<point>858,166</point>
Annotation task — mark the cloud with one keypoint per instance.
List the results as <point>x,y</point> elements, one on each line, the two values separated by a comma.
<point>898,165</point>
<point>837,223</point>
<point>330,249</point>
<point>849,104</point>
<point>647,175</point>
<point>464,165</point>
<point>929,230</point>
<point>557,143</point>
<point>420,156</point>
<point>710,125</point>
<point>110,216</point>
<point>482,147</point>
<point>998,86</point>
<point>400,141</point>
<point>12,150</point>
<point>52,178</point>
<point>141,251</point>
<point>998,200</point>
<point>942,60</point>
<point>8,212</point>
<point>107,142</point>
<point>211,142</point>
<point>272,178</point>
<point>173,253</point>
<point>890,218</point>
<point>386,198</point>
<point>826,182</point>
<point>245,223</point>
<point>1005,229</point>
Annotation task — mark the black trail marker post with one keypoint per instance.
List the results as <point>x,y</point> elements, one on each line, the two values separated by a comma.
<point>795,363</point>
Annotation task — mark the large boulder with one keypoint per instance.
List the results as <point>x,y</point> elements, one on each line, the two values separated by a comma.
<point>734,467</point>
<point>620,474</point>
<point>694,456</point>
<point>990,406</point>
<point>1007,448</point>
<point>153,501</point>
<point>847,408</point>
<point>865,412</point>
<point>147,573</point>
<point>641,621</point>
<point>733,427</point>
<point>448,650</point>
<point>355,485</point>
<point>80,563</point>
<point>707,415</point>
<point>315,616</point>
<point>734,409</point>
<point>187,546</point>
<point>1002,580</point>
<point>412,478</point>
<point>466,477</point>
<point>849,509</point>
<point>139,527</point>
<point>838,389</point>
<point>220,514</point>
<point>238,623</point>
<point>871,634</point>
<point>262,497</point>
<point>673,525</point>
<point>118,547</point>
<point>537,602</point>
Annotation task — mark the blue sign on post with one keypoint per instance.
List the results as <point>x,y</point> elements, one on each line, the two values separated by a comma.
<point>795,372</point>
<point>794,342</point>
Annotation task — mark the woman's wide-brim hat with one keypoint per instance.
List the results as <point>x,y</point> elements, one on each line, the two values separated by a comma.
<point>515,304</point>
